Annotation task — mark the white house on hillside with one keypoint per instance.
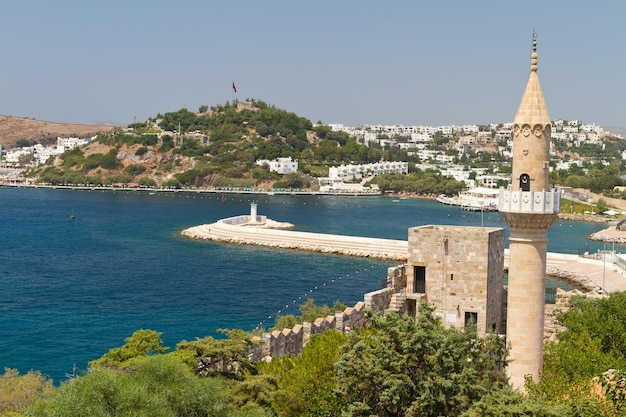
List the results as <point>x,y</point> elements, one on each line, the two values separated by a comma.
<point>350,172</point>
<point>280,165</point>
<point>65,144</point>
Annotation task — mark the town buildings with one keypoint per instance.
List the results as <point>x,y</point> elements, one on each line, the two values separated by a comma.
<point>40,153</point>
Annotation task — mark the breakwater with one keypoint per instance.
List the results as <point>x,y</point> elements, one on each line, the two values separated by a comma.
<point>264,232</point>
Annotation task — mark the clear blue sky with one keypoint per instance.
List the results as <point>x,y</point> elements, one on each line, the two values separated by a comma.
<point>350,62</point>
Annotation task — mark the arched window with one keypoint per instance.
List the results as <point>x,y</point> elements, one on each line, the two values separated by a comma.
<point>524,182</point>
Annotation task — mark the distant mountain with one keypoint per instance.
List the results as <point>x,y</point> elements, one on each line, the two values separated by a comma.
<point>14,128</point>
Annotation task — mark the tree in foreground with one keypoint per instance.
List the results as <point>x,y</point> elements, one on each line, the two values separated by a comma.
<point>161,386</point>
<point>219,357</point>
<point>138,347</point>
<point>415,367</point>
<point>592,346</point>
<point>20,391</point>
<point>306,385</point>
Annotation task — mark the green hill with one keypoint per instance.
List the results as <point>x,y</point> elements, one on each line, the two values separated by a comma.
<point>216,147</point>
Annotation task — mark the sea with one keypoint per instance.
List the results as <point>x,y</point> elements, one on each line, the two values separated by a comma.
<point>81,270</point>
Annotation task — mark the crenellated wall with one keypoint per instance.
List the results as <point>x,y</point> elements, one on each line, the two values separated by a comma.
<point>291,341</point>
<point>380,300</point>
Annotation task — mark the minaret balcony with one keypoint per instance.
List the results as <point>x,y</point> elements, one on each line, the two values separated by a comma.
<point>530,202</point>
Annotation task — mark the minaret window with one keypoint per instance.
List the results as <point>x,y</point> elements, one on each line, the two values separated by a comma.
<point>524,182</point>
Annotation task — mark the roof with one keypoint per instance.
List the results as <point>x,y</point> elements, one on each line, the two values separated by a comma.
<point>533,109</point>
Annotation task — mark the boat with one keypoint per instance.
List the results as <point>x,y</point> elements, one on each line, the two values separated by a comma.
<point>475,199</point>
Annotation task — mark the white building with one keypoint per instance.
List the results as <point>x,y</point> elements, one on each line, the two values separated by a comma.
<point>351,172</point>
<point>66,144</point>
<point>490,181</point>
<point>280,165</point>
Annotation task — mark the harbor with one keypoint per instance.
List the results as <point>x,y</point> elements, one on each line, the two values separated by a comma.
<point>600,272</point>
<point>188,288</point>
<point>475,199</point>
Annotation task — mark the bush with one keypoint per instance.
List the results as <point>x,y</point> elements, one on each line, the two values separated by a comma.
<point>167,143</point>
<point>134,169</point>
<point>172,183</point>
<point>20,391</point>
<point>146,182</point>
<point>161,386</point>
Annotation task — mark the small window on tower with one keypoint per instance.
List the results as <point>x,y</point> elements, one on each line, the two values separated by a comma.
<point>471,318</point>
<point>524,182</point>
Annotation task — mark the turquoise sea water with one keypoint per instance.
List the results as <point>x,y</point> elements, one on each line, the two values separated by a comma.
<point>72,289</point>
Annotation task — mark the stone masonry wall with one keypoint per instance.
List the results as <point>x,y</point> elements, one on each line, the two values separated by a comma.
<point>462,267</point>
<point>284,342</point>
<point>379,301</point>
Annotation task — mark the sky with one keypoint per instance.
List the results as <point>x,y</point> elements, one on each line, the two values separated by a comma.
<point>351,62</point>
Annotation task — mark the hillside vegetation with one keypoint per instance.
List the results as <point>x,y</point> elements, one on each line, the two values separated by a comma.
<point>212,148</point>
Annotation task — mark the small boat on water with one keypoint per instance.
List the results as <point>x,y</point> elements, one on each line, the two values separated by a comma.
<point>475,199</point>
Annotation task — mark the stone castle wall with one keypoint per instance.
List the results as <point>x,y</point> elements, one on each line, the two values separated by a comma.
<point>292,341</point>
<point>380,300</point>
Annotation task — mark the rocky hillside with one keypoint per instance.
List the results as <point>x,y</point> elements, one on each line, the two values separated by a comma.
<point>14,128</point>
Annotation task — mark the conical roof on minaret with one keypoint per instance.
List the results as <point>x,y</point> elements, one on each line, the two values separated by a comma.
<point>533,109</point>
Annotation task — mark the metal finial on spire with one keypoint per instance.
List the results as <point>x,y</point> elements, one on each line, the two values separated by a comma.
<point>533,56</point>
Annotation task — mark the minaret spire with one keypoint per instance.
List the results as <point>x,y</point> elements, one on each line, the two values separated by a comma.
<point>532,133</point>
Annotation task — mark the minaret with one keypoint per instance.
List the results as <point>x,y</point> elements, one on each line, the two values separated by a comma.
<point>528,207</point>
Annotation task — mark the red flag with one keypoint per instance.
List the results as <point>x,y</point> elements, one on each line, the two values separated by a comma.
<point>234,88</point>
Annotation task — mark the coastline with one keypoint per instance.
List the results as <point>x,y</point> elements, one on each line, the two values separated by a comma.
<point>233,190</point>
<point>609,235</point>
<point>225,190</point>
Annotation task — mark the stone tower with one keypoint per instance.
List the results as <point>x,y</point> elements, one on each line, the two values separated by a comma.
<point>457,270</point>
<point>528,207</point>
